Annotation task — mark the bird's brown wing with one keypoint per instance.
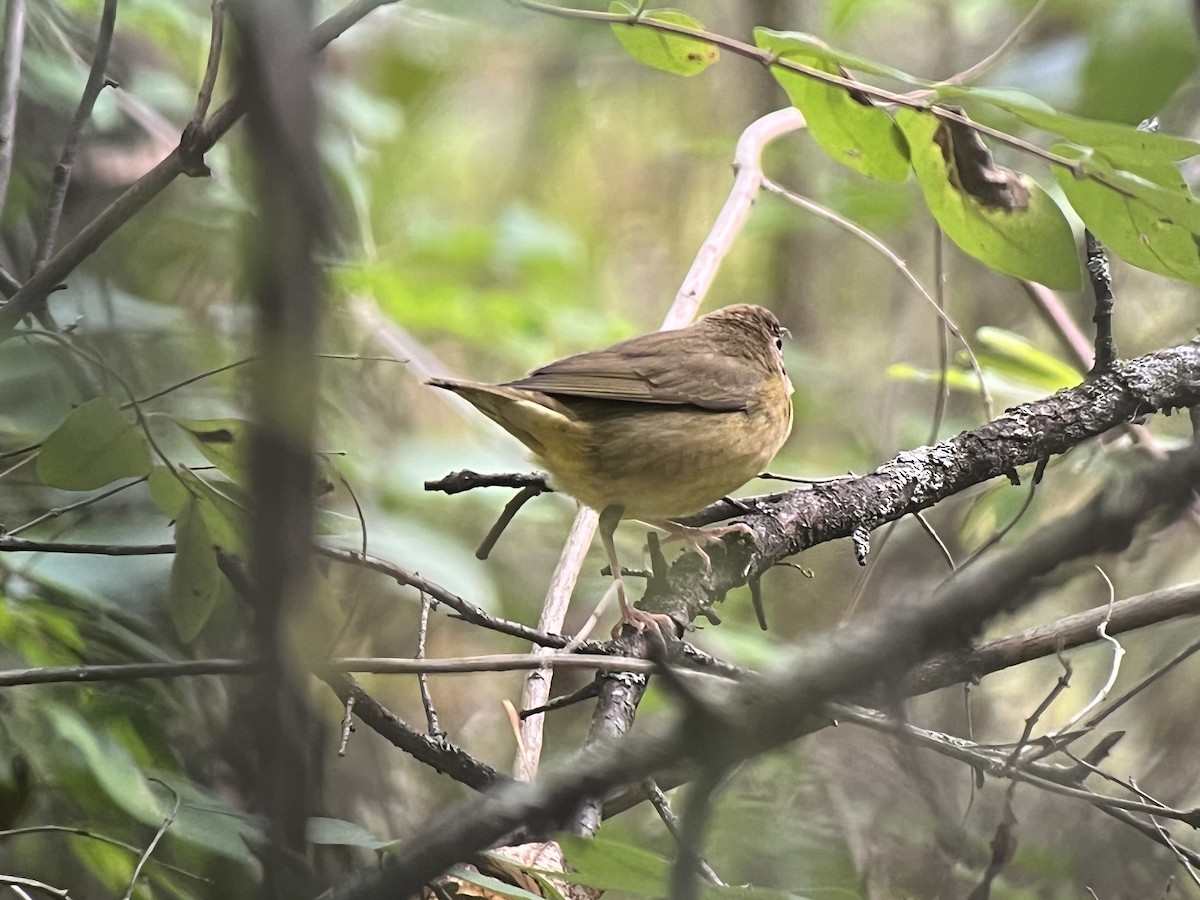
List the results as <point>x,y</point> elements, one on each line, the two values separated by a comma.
<point>667,367</point>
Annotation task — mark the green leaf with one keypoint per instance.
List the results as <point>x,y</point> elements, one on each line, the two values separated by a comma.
<point>110,764</point>
<point>1123,144</point>
<point>493,886</point>
<point>196,581</point>
<point>852,131</point>
<point>956,379</point>
<point>95,445</point>
<point>1014,357</point>
<point>224,442</point>
<point>1148,218</point>
<point>674,53</point>
<point>167,492</point>
<point>339,832</point>
<point>225,517</point>
<point>1001,217</point>
<point>207,821</point>
<point>328,522</point>
<point>608,865</point>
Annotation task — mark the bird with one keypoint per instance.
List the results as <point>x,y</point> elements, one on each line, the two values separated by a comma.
<point>655,427</point>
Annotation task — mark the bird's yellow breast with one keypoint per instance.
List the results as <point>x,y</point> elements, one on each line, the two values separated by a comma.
<point>663,461</point>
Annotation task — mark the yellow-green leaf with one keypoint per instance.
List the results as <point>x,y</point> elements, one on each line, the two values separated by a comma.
<point>195,579</point>
<point>167,492</point>
<point>1001,217</point>
<point>1147,217</point>
<point>1014,357</point>
<point>224,442</point>
<point>1125,145</point>
<point>849,128</point>
<point>95,445</point>
<point>663,50</point>
<point>225,516</point>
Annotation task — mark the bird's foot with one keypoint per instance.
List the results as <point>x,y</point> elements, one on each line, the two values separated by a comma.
<point>639,620</point>
<point>695,537</point>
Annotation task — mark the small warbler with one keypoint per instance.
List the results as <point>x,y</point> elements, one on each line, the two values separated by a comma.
<point>654,427</point>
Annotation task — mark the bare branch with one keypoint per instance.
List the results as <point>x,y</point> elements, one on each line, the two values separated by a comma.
<point>96,82</point>
<point>773,709</point>
<point>215,42</point>
<point>10,88</point>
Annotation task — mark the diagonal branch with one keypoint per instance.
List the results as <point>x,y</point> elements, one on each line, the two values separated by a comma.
<point>773,709</point>
<point>788,523</point>
<point>96,81</point>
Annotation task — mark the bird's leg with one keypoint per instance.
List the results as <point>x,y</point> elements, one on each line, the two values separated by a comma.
<point>695,537</point>
<point>638,619</point>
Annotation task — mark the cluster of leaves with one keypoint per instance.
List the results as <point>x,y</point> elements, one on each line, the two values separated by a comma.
<point>1124,183</point>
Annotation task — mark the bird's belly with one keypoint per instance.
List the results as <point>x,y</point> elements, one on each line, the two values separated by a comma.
<point>660,462</point>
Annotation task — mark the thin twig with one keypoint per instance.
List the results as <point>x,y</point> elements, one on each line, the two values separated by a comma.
<point>1154,676</point>
<point>1101,277</point>
<point>747,183</point>
<point>466,480</point>
<point>162,829</point>
<point>988,761</point>
<point>662,806</point>
<point>102,838</point>
<point>536,690</point>
<point>936,538</point>
<point>1070,336</point>
<point>468,611</point>
<point>1007,44</point>
<point>511,508</point>
<point>15,882</point>
<point>347,725</point>
<point>1113,670</point>
<point>871,240</point>
<point>943,343</point>
<point>22,545</point>
<point>1063,682</point>
<point>359,665</point>
<point>998,536</point>
<point>96,82</point>
<point>61,510</point>
<point>431,717</point>
<point>211,68</point>
<point>10,88</point>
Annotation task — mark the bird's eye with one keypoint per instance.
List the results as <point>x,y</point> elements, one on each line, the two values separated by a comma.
<point>779,344</point>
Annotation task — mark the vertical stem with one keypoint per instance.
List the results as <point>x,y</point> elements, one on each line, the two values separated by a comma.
<point>61,180</point>
<point>275,71</point>
<point>10,79</point>
<point>1101,278</point>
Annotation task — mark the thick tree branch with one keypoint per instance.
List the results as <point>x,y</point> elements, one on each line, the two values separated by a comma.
<point>788,523</point>
<point>773,709</point>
